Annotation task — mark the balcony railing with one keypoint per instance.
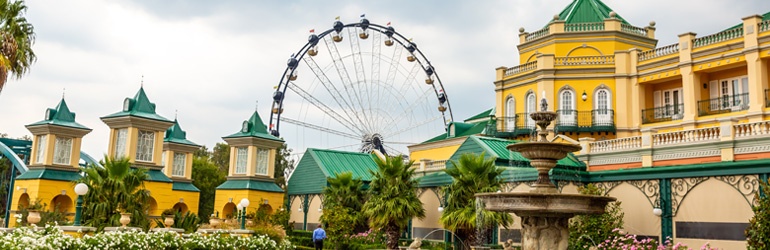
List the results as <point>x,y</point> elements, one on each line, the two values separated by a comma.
<point>724,104</point>
<point>514,126</point>
<point>521,68</point>
<point>663,113</point>
<point>767,98</point>
<point>658,52</point>
<point>597,120</point>
<point>537,34</point>
<point>717,37</point>
<point>580,27</point>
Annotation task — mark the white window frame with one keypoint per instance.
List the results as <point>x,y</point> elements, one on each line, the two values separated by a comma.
<point>121,138</point>
<point>510,114</point>
<point>567,110</point>
<point>602,107</point>
<point>40,150</point>
<point>667,103</point>
<point>729,88</point>
<point>263,158</point>
<point>179,164</point>
<point>241,159</point>
<point>145,145</point>
<point>531,107</point>
<point>62,151</point>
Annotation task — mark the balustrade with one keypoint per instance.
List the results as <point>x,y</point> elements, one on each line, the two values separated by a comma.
<point>752,129</point>
<point>521,68</point>
<point>580,27</point>
<point>718,37</point>
<point>686,136</point>
<point>764,25</point>
<point>633,29</point>
<point>658,52</point>
<point>627,143</point>
<point>585,60</point>
<point>537,34</point>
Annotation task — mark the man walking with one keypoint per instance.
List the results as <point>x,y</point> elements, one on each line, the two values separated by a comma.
<point>318,237</point>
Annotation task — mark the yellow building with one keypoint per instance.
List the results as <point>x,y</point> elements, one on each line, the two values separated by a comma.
<point>677,133</point>
<point>250,176</point>
<point>54,162</point>
<point>137,133</point>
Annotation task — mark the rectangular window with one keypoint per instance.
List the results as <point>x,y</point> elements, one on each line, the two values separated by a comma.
<point>40,150</point>
<point>263,157</point>
<point>163,161</point>
<point>179,163</point>
<point>241,158</point>
<point>145,146</point>
<point>62,150</point>
<point>121,136</point>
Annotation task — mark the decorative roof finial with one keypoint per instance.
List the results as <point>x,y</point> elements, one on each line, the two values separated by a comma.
<point>256,106</point>
<point>141,84</point>
<point>62,92</point>
<point>176,112</point>
<point>543,103</point>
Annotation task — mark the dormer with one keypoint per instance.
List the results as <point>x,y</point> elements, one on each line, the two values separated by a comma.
<point>57,139</point>
<point>252,149</point>
<point>178,153</point>
<point>136,132</point>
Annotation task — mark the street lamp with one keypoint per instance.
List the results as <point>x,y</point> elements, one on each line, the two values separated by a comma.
<point>657,211</point>
<point>440,209</point>
<point>80,189</point>
<point>244,203</point>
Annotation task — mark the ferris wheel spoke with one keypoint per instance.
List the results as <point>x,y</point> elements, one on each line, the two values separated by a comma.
<point>333,91</point>
<point>345,78</point>
<point>394,150</point>
<point>330,112</point>
<point>319,128</point>
<point>375,78</point>
<point>400,143</point>
<point>392,70</point>
<point>358,64</point>
<point>415,125</point>
<point>404,114</point>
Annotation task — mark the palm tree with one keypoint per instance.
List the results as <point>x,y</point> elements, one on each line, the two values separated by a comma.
<point>16,38</point>
<point>392,199</point>
<point>113,189</point>
<point>343,199</point>
<point>472,174</point>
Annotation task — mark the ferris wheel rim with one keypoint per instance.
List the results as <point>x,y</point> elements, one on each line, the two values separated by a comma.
<point>401,40</point>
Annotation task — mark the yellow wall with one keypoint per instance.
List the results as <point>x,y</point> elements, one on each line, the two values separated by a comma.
<point>638,218</point>
<point>432,215</point>
<point>223,196</point>
<point>436,154</point>
<point>45,190</point>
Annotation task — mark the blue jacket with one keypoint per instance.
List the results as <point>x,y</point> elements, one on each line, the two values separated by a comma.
<point>319,234</point>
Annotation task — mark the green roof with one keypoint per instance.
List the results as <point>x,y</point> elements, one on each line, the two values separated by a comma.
<point>49,174</point>
<point>461,129</point>
<point>184,186</point>
<point>157,175</point>
<point>485,114</point>
<point>497,148</point>
<point>309,177</point>
<point>61,116</point>
<point>175,134</point>
<point>139,106</point>
<point>254,127</point>
<point>587,11</point>
<point>267,186</point>
<point>765,17</point>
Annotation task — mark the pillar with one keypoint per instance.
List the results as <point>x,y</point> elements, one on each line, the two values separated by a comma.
<point>666,218</point>
<point>690,85</point>
<point>756,68</point>
<point>727,138</point>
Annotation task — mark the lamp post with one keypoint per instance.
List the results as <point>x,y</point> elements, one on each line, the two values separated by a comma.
<point>80,189</point>
<point>244,203</point>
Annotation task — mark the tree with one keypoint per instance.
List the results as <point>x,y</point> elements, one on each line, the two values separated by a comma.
<point>587,229</point>
<point>343,199</point>
<point>112,189</point>
<point>472,174</point>
<point>207,177</point>
<point>282,163</point>
<point>220,155</point>
<point>758,232</point>
<point>392,199</point>
<point>203,151</point>
<point>16,38</point>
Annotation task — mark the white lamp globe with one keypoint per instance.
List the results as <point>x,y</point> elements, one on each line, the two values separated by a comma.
<point>239,207</point>
<point>244,202</point>
<point>81,189</point>
<point>441,209</point>
<point>657,211</point>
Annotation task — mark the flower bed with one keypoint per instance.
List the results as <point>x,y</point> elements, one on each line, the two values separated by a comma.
<point>51,237</point>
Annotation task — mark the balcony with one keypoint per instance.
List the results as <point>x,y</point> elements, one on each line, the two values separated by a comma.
<point>597,120</point>
<point>724,104</point>
<point>508,127</point>
<point>663,114</point>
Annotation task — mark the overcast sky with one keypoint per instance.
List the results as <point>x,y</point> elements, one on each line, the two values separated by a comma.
<point>211,60</point>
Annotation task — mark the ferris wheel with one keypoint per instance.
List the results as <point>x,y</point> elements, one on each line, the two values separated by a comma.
<point>359,87</point>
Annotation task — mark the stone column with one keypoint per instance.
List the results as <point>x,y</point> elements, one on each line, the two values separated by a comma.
<point>756,68</point>
<point>690,85</point>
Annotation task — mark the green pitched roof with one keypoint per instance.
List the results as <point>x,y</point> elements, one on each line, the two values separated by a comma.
<point>461,129</point>
<point>175,134</point>
<point>61,116</point>
<point>485,114</point>
<point>254,127</point>
<point>184,186</point>
<point>49,174</point>
<point>765,17</point>
<point>157,175</point>
<point>139,106</point>
<point>316,165</point>
<point>494,147</point>
<point>587,11</point>
<point>267,186</point>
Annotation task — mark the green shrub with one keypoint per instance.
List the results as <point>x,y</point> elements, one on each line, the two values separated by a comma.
<point>758,232</point>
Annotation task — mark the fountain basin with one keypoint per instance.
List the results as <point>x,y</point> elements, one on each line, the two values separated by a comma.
<point>543,150</point>
<point>544,204</point>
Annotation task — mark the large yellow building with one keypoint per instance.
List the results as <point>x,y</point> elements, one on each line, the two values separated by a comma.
<point>677,132</point>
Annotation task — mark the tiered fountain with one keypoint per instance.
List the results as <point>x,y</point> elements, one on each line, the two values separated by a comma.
<point>543,210</point>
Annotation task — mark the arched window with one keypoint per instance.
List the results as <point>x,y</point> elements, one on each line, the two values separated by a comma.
<point>531,107</point>
<point>510,114</point>
<point>602,100</point>
<point>602,107</point>
<point>567,112</point>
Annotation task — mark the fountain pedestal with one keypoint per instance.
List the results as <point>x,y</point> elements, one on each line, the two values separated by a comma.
<point>543,210</point>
